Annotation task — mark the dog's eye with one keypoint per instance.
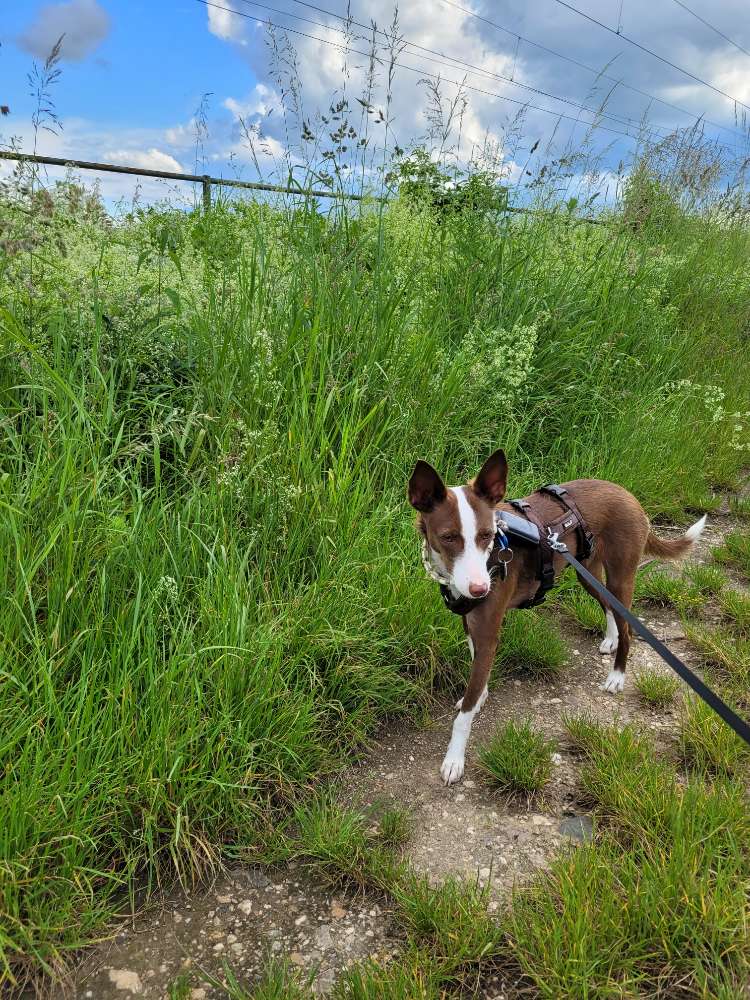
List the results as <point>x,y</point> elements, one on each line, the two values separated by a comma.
<point>450,537</point>
<point>485,537</point>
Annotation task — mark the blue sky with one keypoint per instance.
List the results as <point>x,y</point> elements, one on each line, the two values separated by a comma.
<point>133,74</point>
<point>151,69</point>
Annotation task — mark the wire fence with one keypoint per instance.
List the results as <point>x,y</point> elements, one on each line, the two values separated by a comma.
<point>207,181</point>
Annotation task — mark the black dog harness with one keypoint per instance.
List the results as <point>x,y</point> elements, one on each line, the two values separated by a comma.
<point>527,528</point>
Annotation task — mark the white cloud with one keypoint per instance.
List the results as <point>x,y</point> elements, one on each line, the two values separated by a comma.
<point>83,23</point>
<point>226,26</point>
<point>261,102</point>
<point>147,159</point>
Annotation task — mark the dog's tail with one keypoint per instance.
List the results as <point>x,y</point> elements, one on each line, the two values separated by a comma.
<point>673,548</point>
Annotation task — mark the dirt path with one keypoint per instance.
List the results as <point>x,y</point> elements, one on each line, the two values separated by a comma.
<point>466,829</point>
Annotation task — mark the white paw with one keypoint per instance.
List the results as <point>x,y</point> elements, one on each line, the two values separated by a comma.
<point>608,645</point>
<point>452,769</point>
<point>615,682</point>
<point>479,705</point>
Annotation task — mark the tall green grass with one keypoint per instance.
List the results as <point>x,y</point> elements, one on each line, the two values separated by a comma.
<point>211,590</point>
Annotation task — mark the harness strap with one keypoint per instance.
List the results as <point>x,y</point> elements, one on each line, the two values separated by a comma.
<point>545,563</point>
<point>585,537</point>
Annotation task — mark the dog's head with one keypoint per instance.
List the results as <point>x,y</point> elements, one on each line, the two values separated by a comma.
<point>458,522</point>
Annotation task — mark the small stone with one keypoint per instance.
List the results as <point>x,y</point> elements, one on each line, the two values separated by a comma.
<point>296,958</point>
<point>219,946</point>
<point>484,873</point>
<point>555,701</point>
<point>300,920</point>
<point>337,911</point>
<point>556,759</point>
<point>323,937</point>
<point>469,783</point>
<point>223,899</point>
<point>246,907</point>
<point>577,827</point>
<point>198,993</point>
<point>126,980</point>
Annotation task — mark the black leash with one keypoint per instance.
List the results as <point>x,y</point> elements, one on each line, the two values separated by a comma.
<point>741,728</point>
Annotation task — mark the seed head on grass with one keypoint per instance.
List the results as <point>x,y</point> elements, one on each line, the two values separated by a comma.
<point>518,759</point>
<point>656,689</point>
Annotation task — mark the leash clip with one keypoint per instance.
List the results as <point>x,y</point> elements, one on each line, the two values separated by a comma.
<point>554,543</point>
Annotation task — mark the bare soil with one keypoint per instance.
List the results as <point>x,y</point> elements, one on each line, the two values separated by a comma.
<point>466,829</point>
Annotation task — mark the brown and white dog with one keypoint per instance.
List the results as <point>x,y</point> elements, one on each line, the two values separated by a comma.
<point>458,526</point>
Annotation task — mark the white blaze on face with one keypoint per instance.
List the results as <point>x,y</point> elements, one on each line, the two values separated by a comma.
<point>470,568</point>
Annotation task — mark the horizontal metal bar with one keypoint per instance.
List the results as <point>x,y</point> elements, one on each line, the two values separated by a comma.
<point>112,168</point>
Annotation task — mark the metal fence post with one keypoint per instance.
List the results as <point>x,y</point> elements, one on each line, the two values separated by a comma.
<point>206,193</point>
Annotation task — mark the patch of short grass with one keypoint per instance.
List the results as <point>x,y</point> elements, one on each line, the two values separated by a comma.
<point>335,844</point>
<point>394,826</point>
<point>582,607</point>
<point>655,689</point>
<point>279,980</point>
<point>657,905</point>
<point>735,552</point>
<point>740,507</point>
<point>450,920</point>
<point>414,975</point>
<point>531,644</point>
<point>735,606</point>
<point>707,579</point>
<point>720,648</point>
<point>707,743</point>
<point>517,759</point>
<point>668,590</point>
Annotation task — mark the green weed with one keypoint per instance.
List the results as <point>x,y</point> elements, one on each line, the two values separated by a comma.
<point>722,649</point>
<point>735,607</point>
<point>735,552</point>
<point>740,506</point>
<point>655,688</point>
<point>517,759</point>
<point>668,590</point>
<point>707,579</point>
<point>707,743</point>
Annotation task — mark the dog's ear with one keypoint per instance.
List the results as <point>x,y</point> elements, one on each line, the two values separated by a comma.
<point>492,479</point>
<point>426,488</point>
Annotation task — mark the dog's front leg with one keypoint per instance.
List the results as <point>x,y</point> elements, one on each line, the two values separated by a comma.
<point>483,626</point>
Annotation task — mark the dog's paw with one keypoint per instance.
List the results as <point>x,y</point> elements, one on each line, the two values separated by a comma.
<point>452,769</point>
<point>615,682</point>
<point>608,645</point>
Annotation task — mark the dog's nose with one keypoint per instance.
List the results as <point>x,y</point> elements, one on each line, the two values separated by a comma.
<point>478,589</point>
